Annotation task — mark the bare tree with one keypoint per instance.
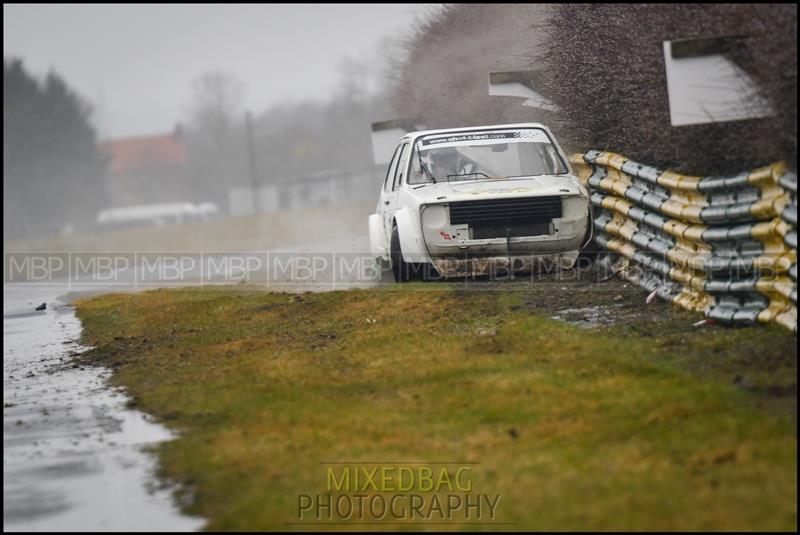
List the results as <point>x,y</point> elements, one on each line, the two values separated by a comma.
<point>215,136</point>
<point>217,104</point>
<point>450,51</point>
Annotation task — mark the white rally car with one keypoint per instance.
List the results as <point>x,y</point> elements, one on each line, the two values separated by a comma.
<point>474,200</point>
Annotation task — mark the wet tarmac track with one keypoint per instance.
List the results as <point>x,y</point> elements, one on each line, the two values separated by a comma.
<point>73,455</point>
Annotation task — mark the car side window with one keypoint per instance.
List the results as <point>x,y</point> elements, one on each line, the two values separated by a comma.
<point>390,171</point>
<point>401,166</point>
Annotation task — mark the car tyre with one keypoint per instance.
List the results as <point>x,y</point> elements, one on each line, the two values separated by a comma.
<point>401,270</point>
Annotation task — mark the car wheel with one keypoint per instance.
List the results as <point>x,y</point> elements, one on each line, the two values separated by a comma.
<point>401,270</point>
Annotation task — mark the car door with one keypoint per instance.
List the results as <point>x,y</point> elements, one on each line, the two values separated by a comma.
<point>387,181</point>
<point>386,188</point>
<point>391,187</point>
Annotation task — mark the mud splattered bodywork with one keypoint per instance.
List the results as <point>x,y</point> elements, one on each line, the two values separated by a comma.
<point>503,266</point>
<point>505,197</point>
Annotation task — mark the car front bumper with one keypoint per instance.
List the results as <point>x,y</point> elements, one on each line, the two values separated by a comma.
<point>444,240</point>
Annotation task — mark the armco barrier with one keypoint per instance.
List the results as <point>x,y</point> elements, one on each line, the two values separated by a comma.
<point>724,246</point>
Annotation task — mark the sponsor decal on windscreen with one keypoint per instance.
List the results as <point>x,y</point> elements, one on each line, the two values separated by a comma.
<point>519,135</point>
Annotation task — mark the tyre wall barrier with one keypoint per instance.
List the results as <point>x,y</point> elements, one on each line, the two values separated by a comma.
<point>724,246</point>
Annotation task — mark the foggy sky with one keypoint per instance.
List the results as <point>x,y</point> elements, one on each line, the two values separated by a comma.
<point>135,64</point>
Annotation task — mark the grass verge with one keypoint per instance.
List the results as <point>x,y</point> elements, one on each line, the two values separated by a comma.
<point>648,423</point>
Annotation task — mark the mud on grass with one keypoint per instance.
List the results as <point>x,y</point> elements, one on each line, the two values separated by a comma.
<point>637,424</point>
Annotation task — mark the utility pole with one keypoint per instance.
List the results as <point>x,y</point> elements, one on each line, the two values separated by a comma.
<point>251,158</point>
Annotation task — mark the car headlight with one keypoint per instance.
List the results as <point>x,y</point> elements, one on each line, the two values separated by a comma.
<point>434,216</point>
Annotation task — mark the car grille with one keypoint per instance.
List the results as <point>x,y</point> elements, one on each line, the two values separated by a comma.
<point>500,218</point>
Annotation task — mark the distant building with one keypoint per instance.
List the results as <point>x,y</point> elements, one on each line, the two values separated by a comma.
<point>147,169</point>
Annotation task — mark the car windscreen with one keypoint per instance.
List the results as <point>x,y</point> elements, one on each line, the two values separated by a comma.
<point>482,155</point>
